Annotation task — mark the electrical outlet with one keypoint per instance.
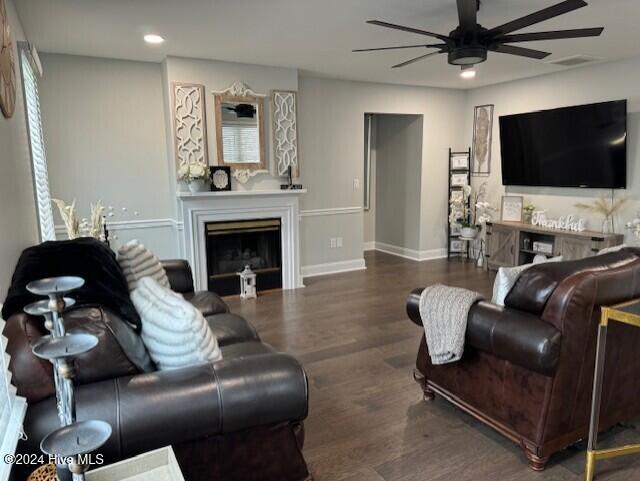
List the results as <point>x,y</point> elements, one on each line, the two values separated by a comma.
<point>356,183</point>
<point>339,242</point>
<point>333,243</point>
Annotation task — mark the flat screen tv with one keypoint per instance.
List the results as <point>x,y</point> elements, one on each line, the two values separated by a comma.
<point>581,146</point>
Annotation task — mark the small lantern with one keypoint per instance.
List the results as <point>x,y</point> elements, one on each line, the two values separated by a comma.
<point>247,283</point>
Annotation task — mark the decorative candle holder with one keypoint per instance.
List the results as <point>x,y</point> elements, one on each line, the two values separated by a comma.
<point>73,439</point>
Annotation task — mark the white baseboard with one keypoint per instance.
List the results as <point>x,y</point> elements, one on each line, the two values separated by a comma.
<point>370,246</point>
<point>333,268</point>
<point>412,254</point>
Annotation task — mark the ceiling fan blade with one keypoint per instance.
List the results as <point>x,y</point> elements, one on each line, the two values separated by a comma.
<point>521,52</point>
<point>555,35</point>
<point>408,29</point>
<point>537,17</point>
<point>468,14</point>
<point>413,60</point>
<point>392,48</point>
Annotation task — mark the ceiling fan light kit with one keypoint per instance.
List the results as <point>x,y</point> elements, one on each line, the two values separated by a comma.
<point>470,42</point>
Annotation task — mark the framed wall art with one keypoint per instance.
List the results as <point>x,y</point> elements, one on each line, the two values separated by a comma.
<point>482,137</point>
<point>456,245</point>
<point>459,180</point>
<point>220,178</point>
<point>512,208</point>
<point>460,161</point>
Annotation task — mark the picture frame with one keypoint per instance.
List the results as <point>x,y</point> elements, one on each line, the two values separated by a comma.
<point>459,180</point>
<point>456,245</point>
<point>460,161</point>
<point>482,139</point>
<point>220,178</point>
<point>456,195</point>
<point>455,229</point>
<point>512,208</point>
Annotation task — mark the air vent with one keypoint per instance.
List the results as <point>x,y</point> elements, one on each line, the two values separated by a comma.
<point>574,60</point>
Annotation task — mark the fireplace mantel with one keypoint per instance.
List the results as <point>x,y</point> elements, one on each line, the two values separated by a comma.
<point>240,193</point>
<point>199,208</point>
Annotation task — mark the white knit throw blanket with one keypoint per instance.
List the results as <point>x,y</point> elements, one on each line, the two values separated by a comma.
<point>444,311</point>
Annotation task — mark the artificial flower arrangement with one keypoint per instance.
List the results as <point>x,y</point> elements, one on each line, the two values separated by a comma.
<point>193,171</point>
<point>634,227</point>
<point>471,215</point>
<point>84,227</point>
<point>95,227</point>
<point>607,209</point>
<point>528,211</point>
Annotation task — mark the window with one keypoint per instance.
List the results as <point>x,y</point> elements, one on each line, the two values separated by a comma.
<point>12,410</point>
<point>240,143</point>
<point>36,144</point>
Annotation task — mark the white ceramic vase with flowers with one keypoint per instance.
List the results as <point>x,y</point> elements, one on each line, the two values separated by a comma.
<point>195,175</point>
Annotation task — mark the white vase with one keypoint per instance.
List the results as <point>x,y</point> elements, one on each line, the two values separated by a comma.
<point>469,232</point>
<point>198,185</point>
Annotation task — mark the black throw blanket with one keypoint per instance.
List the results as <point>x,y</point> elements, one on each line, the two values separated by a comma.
<point>85,257</point>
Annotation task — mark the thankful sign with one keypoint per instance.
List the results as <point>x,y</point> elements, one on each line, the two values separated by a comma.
<point>569,222</point>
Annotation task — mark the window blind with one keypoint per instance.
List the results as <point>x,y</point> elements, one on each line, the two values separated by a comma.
<point>36,143</point>
<point>12,410</point>
<point>240,143</point>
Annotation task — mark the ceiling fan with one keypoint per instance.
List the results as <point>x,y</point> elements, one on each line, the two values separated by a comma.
<point>469,43</point>
<point>246,111</point>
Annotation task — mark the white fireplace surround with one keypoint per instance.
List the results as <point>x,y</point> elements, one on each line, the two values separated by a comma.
<point>200,208</point>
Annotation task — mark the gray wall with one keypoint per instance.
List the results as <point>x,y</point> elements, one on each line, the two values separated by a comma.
<point>19,225</point>
<point>331,132</point>
<point>104,131</point>
<point>398,168</point>
<point>596,83</point>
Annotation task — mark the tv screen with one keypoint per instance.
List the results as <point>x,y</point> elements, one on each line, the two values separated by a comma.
<point>582,146</point>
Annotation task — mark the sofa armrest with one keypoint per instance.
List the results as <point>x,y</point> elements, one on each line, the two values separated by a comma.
<point>509,334</point>
<point>149,411</point>
<point>179,274</point>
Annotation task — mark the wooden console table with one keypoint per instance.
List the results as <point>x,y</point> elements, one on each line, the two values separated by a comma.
<point>511,243</point>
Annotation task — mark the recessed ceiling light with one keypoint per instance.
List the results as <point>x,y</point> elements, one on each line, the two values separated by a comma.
<point>153,38</point>
<point>468,72</point>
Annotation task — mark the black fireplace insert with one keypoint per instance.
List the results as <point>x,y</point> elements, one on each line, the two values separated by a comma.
<point>233,245</point>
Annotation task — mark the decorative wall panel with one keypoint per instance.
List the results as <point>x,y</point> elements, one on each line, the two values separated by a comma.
<point>189,123</point>
<point>285,132</point>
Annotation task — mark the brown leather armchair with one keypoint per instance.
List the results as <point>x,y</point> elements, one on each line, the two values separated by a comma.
<point>527,370</point>
<point>239,419</point>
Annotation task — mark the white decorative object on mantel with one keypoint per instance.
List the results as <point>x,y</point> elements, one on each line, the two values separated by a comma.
<point>238,89</point>
<point>568,223</point>
<point>243,175</point>
<point>285,132</point>
<point>189,123</point>
<point>199,209</point>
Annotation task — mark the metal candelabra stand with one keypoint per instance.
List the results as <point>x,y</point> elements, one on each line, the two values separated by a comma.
<point>73,440</point>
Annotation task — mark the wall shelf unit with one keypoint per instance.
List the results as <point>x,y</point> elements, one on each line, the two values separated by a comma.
<point>459,176</point>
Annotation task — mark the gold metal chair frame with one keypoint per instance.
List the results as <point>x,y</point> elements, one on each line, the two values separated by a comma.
<point>612,313</point>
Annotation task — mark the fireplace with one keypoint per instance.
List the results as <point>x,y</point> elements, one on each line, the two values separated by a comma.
<point>232,245</point>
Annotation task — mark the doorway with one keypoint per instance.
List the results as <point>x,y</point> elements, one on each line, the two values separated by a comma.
<point>393,182</point>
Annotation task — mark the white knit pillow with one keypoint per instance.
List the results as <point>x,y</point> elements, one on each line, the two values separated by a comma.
<point>175,333</point>
<point>507,276</point>
<point>137,262</point>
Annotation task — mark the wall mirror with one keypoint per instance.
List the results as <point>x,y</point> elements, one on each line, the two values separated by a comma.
<point>240,128</point>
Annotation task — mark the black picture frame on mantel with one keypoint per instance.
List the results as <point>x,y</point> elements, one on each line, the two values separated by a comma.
<point>220,178</point>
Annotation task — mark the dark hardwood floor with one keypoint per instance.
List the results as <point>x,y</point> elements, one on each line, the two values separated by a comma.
<point>367,420</point>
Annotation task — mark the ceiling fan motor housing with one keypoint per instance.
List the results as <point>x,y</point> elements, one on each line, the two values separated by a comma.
<point>467,55</point>
<point>467,48</point>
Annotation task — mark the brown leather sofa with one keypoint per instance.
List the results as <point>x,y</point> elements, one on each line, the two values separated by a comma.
<point>239,419</point>
<point>527,370</point>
